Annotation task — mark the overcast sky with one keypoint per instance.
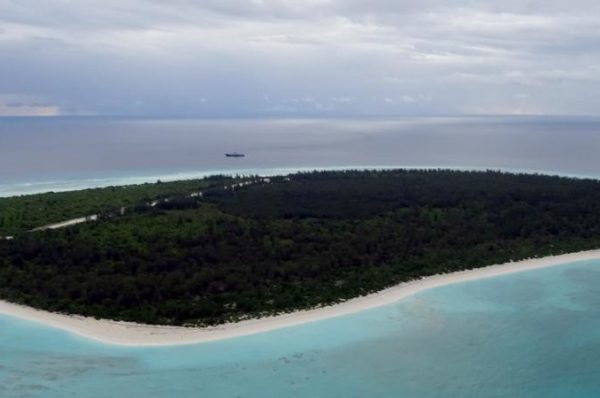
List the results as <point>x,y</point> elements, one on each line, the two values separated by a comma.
<point>292,58</point>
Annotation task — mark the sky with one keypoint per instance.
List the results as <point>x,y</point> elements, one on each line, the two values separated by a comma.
<point>299,58</point>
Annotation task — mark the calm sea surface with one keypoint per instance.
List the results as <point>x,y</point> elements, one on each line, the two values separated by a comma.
<point>68,153</point>
<point>533,334</point>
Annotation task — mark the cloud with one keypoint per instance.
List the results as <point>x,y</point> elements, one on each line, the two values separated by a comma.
<point>12,105</point>
<point>156,58</point>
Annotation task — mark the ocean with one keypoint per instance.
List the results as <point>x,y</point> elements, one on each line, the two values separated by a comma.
<point>530,334</point>
<point>43,154</point>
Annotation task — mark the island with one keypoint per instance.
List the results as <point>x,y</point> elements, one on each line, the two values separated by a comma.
<point>227,249</point>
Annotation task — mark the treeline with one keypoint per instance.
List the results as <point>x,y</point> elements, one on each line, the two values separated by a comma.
<point>298,242</point>
<point>22,213</point>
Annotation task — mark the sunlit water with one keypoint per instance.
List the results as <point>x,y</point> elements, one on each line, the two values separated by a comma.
<point>69,153</point>
<point>531,334</point>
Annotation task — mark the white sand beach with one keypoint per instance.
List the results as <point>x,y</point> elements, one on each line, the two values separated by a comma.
<point>132,334</point>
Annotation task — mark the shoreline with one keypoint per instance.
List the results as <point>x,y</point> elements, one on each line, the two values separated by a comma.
<point>69,185</point>
<point>140,335</point>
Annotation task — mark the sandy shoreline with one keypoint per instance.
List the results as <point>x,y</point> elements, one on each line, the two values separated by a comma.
<point>131,334</point>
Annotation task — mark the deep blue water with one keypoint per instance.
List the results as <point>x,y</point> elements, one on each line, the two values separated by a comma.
<point>67,153</point>
<point>531,334</point>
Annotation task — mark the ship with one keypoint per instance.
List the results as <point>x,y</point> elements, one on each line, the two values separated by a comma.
<point>235,155</point>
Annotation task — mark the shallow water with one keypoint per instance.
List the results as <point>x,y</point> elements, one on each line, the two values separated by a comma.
<point>70,153</point>
<point>535,334</point>
<point>531,334</point>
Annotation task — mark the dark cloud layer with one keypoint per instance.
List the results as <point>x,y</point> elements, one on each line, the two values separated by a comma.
<point>236,58</point>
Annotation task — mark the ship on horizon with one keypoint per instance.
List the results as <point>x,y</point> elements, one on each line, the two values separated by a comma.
<point>235,155</point>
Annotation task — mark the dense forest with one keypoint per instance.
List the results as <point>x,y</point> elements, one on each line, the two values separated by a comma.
<point>285,243</point>
<point>23,213</point>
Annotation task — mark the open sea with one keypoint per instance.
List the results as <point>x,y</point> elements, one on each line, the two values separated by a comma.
<point>531,334</point>
<point>42,154</point>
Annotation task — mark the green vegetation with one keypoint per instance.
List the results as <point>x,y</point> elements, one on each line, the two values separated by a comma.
<point>22,213</point>
<point>294,243</point>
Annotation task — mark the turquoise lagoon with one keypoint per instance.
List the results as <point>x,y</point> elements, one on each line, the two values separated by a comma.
<point>529,334</point>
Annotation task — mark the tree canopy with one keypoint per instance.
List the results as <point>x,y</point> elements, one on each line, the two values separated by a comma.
<point>287,243</point>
